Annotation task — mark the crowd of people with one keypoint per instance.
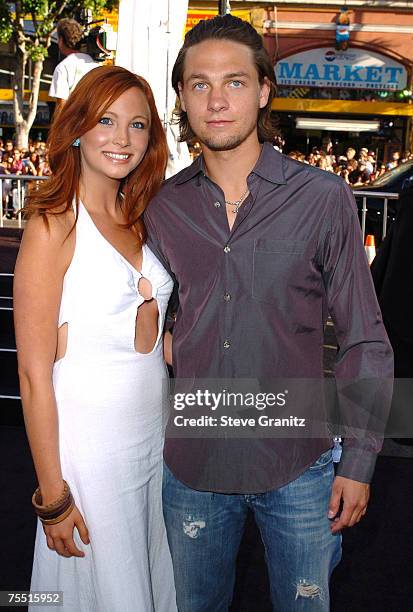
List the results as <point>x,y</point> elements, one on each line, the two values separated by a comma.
<point>357,168</point>
<point>31,160</point>
<point>16,161</point>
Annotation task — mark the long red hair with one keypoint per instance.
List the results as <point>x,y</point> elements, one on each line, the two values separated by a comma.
<point>93,95</point>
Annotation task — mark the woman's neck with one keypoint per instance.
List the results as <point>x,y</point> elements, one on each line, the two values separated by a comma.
<point>100,194</point>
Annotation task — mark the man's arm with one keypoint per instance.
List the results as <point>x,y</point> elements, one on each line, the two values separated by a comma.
<point>364,361</point>
<point>59,87</point>
<point>156,247</point>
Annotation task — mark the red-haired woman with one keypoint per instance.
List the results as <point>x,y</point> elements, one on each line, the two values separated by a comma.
<point>90,301</point>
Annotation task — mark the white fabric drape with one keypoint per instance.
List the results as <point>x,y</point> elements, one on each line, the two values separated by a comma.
<point>150,34</point>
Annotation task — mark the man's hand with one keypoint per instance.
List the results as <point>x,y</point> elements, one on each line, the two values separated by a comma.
<point>355,496</point>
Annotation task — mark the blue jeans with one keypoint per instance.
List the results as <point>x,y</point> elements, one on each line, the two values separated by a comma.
<point>205,530</point>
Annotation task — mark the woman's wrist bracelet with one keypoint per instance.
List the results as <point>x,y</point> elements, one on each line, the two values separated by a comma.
<point>57,511</point>
<point>61,517</point>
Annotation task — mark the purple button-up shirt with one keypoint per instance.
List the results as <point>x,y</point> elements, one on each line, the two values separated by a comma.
<point>253,303</point>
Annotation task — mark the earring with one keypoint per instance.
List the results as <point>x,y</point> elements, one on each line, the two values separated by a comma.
<point>76,143</point>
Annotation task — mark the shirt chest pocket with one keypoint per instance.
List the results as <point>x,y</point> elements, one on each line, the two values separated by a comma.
<point>280,267</point>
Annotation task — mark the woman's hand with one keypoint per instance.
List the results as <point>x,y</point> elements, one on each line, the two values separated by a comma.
<point>167,347</point>
<point>60,537</point>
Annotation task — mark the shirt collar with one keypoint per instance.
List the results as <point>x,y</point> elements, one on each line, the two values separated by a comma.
<point>269,167</point>
<point>194,169</point>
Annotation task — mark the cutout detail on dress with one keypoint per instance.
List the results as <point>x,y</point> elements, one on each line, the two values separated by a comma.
<point>146,326</point>
<point>62,333</point>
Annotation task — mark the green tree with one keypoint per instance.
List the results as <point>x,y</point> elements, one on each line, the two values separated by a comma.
<point>34,45</point>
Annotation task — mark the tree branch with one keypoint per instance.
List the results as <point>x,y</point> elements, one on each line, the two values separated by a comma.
<point>37,71</point>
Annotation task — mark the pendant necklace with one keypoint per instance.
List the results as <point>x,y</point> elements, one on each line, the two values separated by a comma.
<point>238,203</point>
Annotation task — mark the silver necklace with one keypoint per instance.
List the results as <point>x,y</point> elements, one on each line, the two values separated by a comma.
<point>238,203</point>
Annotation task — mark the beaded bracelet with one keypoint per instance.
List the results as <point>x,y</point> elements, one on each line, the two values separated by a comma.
<point>57,511</point>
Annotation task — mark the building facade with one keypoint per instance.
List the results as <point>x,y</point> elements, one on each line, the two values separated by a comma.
<point>344,74</point>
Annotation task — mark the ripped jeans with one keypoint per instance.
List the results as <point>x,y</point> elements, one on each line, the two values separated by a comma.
<point>205,530</point>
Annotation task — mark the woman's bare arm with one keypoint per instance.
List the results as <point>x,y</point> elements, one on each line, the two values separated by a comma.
<point>43,259</point>
<point>40,268</point>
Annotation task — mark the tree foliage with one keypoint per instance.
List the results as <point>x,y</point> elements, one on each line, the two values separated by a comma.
<point>43,15</point>
<point>28,25</point>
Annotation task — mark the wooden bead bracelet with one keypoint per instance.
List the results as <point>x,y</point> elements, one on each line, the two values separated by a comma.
<point>57,511</point>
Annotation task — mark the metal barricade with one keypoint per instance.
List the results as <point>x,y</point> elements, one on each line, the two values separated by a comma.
<point>381,195</point>
<point>13,188</point>
<point>17,193</point>
<point>7,342</point>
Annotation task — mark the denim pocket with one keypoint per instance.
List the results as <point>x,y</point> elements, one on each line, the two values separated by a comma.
<point>325,459</point>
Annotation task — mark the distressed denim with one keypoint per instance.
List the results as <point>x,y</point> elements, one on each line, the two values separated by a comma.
<point>205,530</point>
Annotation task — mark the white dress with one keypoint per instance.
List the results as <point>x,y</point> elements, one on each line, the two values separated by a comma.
<point>111,403</point>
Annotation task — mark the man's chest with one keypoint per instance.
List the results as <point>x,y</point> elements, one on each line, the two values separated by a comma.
<point>269,251</point>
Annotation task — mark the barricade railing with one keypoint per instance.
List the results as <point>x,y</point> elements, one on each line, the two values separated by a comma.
<point>13,190</point>
<point>6,304</point>
<point>14,187</point>
<point>382,195</point>
<point>6,301</point>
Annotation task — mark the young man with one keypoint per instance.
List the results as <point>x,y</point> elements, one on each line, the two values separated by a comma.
<point>69,71</point>
<point>261,247</point>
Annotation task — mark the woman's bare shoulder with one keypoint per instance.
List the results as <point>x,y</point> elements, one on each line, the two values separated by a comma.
<point>53,226</point>
<point>48,240</point>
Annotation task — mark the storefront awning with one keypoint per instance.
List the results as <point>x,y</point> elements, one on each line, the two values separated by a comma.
<point>356,107</point>
<point>336,125</point>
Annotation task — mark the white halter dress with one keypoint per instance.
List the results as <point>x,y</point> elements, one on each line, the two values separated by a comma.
<point>111,403</point>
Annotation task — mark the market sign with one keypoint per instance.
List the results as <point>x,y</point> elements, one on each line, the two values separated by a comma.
<point>353,68</point>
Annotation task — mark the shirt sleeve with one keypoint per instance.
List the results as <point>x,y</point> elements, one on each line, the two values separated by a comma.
<point>156,247</point>
<point>60,85</point>
<point>364,361</point>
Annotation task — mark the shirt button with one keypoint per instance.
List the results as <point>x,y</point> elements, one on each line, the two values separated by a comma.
<point>217,204</point>
<point>227,297</point>
<point>227,344</point>
<point>227,249</point>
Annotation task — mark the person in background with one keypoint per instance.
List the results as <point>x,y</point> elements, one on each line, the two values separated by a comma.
<point>310,159</point>
<point>392,271</point>
<point>366,161</point>
<point>381,169</point>
<point>350,153</point>
<point>43,167</point>
<point>17,165</point>
<point>7,161</point>
<point>33,163</point>
<point>69,71</point>
<point>9,147</point>
<point>278,143</point>
<point>322,163</point>
<point>395,158</point>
